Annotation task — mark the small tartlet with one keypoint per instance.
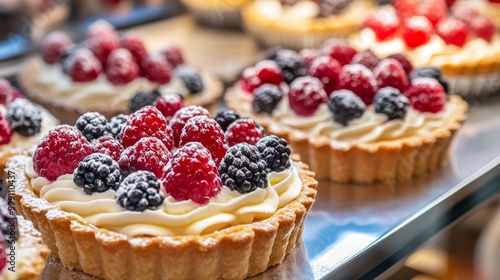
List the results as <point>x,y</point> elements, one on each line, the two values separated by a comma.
<point>218,13</point>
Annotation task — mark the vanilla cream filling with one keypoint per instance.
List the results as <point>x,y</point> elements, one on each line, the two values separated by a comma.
<point>173,218</point>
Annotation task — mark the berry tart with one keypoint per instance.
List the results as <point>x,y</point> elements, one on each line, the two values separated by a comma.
<point>487,8</point>
<point>298,24</point>
<point>145,198</point>
<point>353,117</point>
<point>106,70</point>
<point>464,44</point>
<point>22,123</point>
<point>217,13</point>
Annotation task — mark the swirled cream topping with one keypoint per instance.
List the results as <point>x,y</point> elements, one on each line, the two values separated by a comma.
<point>173,218</point>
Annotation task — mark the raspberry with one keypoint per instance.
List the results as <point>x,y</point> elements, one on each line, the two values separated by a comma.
<point>190,78</point>
<point>332,7</point>
<point>406,8</point>
<point>102,47</point>
<point>268,72</point>
<point>182,116</point>
<point>141,190</point>
<point>267,98</point>
<point>452,31</point>
<point>484,28</point>
<point>109,146</point>
<point>431,72</point>
<point>345,106</point>
<point>101,28</point>
<point>243,169</point>
<point>208,132</point>
<point>97,173</point>
<point>308,56</point>
<point>407,66</point>
<point>192,174</point>
<point>6,92</point>
<point>392,103</point>
<point>53,46</point>
<point>169,104</point>
<point>339,50</point>
<point>173,55</point>
<point>426,95</point>
<point>7,219</point>
<point>155,69</point>
<point>306,95</point>
<point>433,10</point>
<point>360,80</point>
<point>3,255</point>
<point>142,99</point>
<point>417,31</point>
<point>327,70</point>
<point>464,12</point>
<point>5,131</point>
<point>384,24</point>
<point>390,73</point>
<point>60,151</point>
<point>66,57</point>
<point>121,67</point>
<point>116,124</point>
<point>243,130</point>
<point>225,118</point>
<point>147,122</point>
<point>276,152</point>
<point>366,58</point>
<point>132,41</point>
<point>84,66</point>
<point>249,80</point>
<point>149,154</point>
<point>24,117</point>
<point>290,64</point>
<point>92,125</point>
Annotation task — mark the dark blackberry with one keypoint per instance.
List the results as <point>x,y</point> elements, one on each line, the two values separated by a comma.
<point>97,173</point>
<point>24,117</point>
<point>291,65</point>
<point>142,99</point>
<point>276,152</point>
<point>225,118</point>
<point>140,191</point>
<point>431,72</point>
<point>116,124</point>
<point>345,106</point>
<point>92,125</point>
<point>190,78</point>
<point>8,220</point>
<point>332,7</point>
<point>389,101</point>
<point>243,169</point>
<point>66,55</point>
<point>267,98</point>
<point>272,53</point>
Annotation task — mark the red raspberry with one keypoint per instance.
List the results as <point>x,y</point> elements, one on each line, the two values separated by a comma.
<point>390,73</point>
<point>208,132</point>
<point>157,70</point>
<point>433,10</point>
<point>366,58</point>
<point>464,11</point>
<point>452,31</point>
<point>249,80</point>
<point>147,122</point>
<point>169,104</point>
<point>426,95</point>
<point>109,146</point>
<point>384,24</point>
<point>243,131</point>
<point>339,50</point>
<point>306,94</point>
<point>449,3</point>
<point>148,154</point>
<point>5,131</point>
<point>182,116</point>
<point>102,47</point>
<point>406,8</point>
<point>417,31</point>
<point>60,152</point>
<point>192,174</point>
<point>308,56</point>
<point>483,28</point>
<point>360,80</point>
<point>85,67</point>
<point>173,55</point>
<point>7,92</point>
<point>53,46</point>
<point>269,72</point>
<point>132,41</point>
<point>407,66</point>
<point>121,67</point>
<point>100,29</point>
<point>327,70</point>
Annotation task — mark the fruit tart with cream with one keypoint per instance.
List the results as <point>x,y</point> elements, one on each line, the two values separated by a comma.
<point>145,198</point>
<point>106,70</point>
<point>353,117</point>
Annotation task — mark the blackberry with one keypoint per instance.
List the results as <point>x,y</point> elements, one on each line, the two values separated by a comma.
<point>243,169</point>
<point>97,173</point>
<point>92,125</point>
<point>190,78</point>
<point>276,152</point>
<point>267,98</point>
<point>225,118</point>
<point>291,65</point>
<point>332,7</point>
<point>431,72</point>
<point>24,117</point>
<point>116,124</point>
<point>140,191</point>
<point>345,106</point>
<point>272,53</point>
<point>142,99</point>
<point>66,55</point>
<point>8,221</point>
<point>389,101</point>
